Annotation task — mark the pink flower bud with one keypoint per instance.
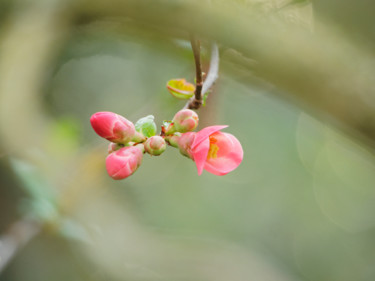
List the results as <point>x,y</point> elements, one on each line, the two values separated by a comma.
<point>185,120</point>
<point>155,145</point>
<point>112,127</point>
<point>123,162</point>
<point>184,142</point>
<point>214,151</point>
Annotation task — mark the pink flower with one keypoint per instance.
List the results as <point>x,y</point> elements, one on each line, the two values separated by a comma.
<point>112,127</point>
<point>214,151</point>
<point>124,162</point>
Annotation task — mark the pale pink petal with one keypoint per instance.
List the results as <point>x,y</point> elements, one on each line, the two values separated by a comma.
<point>229,155</point>
<point>205,133</point>
<point>200,154</point>
<point>221,166</point>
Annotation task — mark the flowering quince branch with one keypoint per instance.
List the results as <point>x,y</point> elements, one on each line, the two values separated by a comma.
<point>196,101</point>
<point>196,95</point>
<point>212,150</point>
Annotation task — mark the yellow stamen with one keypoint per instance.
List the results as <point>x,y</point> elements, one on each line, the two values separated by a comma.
<point>212,153</point>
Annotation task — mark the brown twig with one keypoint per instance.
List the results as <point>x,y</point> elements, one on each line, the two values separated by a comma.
<point>202,87</point>
<point>197,101</point>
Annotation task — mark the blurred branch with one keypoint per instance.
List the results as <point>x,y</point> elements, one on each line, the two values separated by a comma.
<point>17,236</point>
<point>27,63</point>
<point>213,72</point>
<point>324,73</point>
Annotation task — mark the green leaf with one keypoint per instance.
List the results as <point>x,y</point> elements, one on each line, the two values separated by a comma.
<point>146,126</point>
<point>40,209</point>
<point>32,181</point>
<point>42,202</point>
<point>166,123</point>
<point>180,89</point>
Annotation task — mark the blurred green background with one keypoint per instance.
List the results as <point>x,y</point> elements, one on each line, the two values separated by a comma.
<point>299,207</point>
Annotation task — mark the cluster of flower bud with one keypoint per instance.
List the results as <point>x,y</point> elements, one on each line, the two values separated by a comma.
<point>212,150</point>
<point>130,141</point>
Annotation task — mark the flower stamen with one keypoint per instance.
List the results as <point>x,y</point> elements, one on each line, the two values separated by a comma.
<point>214,148</point>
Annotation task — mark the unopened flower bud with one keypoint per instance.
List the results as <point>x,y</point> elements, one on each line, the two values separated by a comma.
<point>138,137</point>
<point>185,120</point>
<point>123,162</point>
<point>112,127</point>
<point>180,89</point>
<point>184,142</point>
<point>155,145</point>
<point>173,139</point>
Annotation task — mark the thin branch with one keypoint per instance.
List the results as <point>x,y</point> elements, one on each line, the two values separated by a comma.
<point>196,46</point>
<point>197,101</point>
<point>17,236</point>
<point>213,73</point>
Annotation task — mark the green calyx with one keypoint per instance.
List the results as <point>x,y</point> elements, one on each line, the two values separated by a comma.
<point>168,128</point>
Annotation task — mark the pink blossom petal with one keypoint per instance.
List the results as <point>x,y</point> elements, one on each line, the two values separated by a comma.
<point>200,154</point>
<point>205,133</point>
<point>229,155</point>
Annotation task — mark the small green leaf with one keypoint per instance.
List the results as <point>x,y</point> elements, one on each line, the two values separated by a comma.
<point>166,123</point>
<point>167,127</point>
<point>40,209</point>
<point>32,181</point>
<point>42,201</point>
<point>146,126</point>
<point>180,89</point>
